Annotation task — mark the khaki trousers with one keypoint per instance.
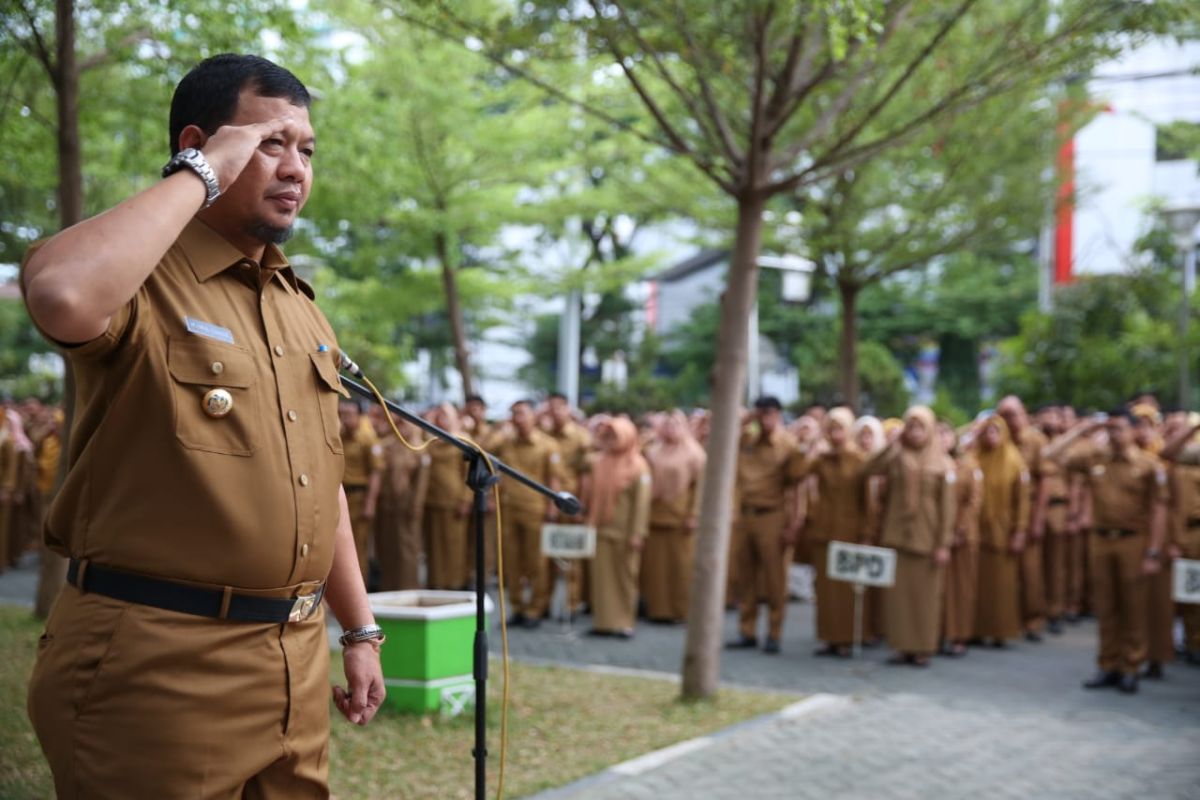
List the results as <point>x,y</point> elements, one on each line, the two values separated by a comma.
<point>446,534</point>
<point>762,563</point>
<point>1119,600</point>
<point>397,548</point>
<point>1033,585</point>
<point>527,572</point>
<point>131,702</point>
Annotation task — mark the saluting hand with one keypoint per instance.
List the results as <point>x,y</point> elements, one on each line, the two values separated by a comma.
<point>230,149</point>
<point>364,690</point>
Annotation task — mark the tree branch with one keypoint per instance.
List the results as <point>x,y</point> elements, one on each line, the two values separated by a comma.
<point>104,56</point>
<point>40,50</point>
<point>732,152</point>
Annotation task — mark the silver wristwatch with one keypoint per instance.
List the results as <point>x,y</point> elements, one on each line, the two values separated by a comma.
<point>194,160</point>
<point>366,633</point>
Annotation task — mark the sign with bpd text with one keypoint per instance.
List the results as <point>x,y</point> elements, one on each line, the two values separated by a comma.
<point>861,563</point>
<point>568,541</point>
<point>1187,581</point>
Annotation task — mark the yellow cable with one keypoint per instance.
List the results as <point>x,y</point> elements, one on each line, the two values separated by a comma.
<point>499,572</point>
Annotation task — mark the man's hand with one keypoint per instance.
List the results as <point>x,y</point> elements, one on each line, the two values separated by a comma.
<point>1038,531</point>
<point>637,543</point>
<point>941,556</point>
<point>364,691</point>
<point>1017,543</point>
<point>368,511</point>
<point>689,527</point>
<point>230,149</point>
<point>1151,565</point>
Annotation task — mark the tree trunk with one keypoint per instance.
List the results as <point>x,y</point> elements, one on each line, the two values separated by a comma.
<point>458,328</point>
<point>848,346</point>
<point>52,573</point>
<point>706,608</point>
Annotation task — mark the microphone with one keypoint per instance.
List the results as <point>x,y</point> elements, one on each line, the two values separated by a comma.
<point>345,363</point>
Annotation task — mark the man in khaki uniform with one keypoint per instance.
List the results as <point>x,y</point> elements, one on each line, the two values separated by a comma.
<point>447,508</point>
<point>574,447</point>
<point>769,462</point>
<point>485,434</point>
<point>1031,442</point>
<point>1058,542</point>
<point>361,478</point>
<point>402,488</point>
<point>1184,451</point>
<point>1129,493</point>
<point>202,511</point>
<point>526,572</point>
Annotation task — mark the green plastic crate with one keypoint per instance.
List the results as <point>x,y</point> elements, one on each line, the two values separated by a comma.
<point>427,660</point>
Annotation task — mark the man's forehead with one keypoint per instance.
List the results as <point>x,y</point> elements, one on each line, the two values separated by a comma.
<point>253,107</point>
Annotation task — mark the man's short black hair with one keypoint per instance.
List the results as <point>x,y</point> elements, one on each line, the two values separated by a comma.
<point>1123,413</point>
<point>208,95</point>
<point>522,402</point>
<point>557,396</point>
<point>474,398</point>
<point>768,403</point>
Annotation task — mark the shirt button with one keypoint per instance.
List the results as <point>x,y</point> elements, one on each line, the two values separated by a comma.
<point>293,416</point>
<point>217,368</point>
<point>278,349</point>
<point>303,479</point>
<point>303,550</point>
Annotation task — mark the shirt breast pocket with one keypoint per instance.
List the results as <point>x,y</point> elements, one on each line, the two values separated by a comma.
<point>216,407</point>
<point>329,389</point>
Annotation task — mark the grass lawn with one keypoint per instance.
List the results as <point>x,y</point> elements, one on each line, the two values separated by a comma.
<point>564,724</point>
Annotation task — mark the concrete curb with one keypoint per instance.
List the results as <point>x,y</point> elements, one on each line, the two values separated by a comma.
<point>812,704</point>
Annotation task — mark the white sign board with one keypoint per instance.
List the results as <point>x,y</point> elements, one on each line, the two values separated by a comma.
<point>860,563</point>
<point>568,541</point>
<point>1187,581</point>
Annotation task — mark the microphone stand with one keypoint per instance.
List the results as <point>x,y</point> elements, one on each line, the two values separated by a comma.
<point>480,480</point>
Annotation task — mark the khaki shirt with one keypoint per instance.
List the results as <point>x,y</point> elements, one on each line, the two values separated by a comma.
<point>364,456</point>
<point>1124,490</point>
<point>841,487</point>
<point>539,458</point>
<point>574,447</point>
<point>447,477</point>
<point>932,526</point>
<point>766,468</point>
<point>1185,502</point>
<point>405,477</point>
<point>156,485</point>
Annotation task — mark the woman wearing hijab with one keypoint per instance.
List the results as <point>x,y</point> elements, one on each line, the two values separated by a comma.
<point>1003,522</point>
<point>918,523</point>
<point>962,573</point>
<point>838,517</point>
<point>870,439</point>
<point>16,453</point>
<point>616,494</point>
<point>677,469</point>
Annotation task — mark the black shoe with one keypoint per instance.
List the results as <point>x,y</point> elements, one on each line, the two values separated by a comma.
<point>625,634</point>
<point>531,623</point>
<point>516,620</point>
<point>771,647</point>
<point>1128,683</point>
<point>1072,618</point>
<point>1033,636</point>
<point>1193,658</point>
<point>1103,680</point>
<point>1055,626</point>
<point>1154,671</point>
<point>742,643</point>
<point>999,644</point>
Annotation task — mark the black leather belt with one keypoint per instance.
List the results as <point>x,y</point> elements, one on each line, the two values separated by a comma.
<point>353,489</point>
<point>1115,533</point>
<point>1193,522</point>
<point>171,596</point>
<point>759,510</point>
<point>1059,501</point>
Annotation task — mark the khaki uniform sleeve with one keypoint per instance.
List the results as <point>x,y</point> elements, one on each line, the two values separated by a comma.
<point>879,463</point>
<point>796,467</point>
<point>1158,487</point>
<point>420,484</point>
<point>1190,455</point>
<point>697,494</point>
<point>1176,513</point>
<point>948,508</point>
<point>639,524</point>
<point>8,465</point>
<point>1023,504</point>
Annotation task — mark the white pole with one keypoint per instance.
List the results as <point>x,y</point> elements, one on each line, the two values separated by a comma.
<point>568,348</point>
<point>753,379</point>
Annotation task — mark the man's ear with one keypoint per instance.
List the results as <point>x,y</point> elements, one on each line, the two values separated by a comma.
<point>192,136</point>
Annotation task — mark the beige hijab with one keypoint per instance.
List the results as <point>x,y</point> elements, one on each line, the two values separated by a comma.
<point>675,465</point>
<point>614,470</point>
<point>1002,466</point>
<point>930,458</point>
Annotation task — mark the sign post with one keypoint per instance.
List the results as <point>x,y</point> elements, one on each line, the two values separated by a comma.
<point>862,565</point>
<point>564,544</point>
<point>1186,582</point>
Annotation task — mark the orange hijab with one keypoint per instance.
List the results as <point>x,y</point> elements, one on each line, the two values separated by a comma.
<point>614,470</point>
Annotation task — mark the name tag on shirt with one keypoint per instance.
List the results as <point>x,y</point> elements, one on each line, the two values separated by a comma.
<point>208,330</point>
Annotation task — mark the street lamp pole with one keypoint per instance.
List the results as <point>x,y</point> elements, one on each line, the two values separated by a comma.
<point>1183,220</point>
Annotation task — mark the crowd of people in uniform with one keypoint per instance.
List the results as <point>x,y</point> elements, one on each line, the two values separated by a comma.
<point>1008,528</point>
<point>30,449</point>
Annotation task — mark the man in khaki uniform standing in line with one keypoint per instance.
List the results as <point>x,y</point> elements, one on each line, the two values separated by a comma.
<point>1058,541</point>
<point>526,574</point>
<point>402,488</point>
<point>362,477</point>
<point>1129,493</point>
<point>202,511</point>
<point>1031,442</point>
<point>769,462</point>
<point>574,447</point>
<point>1184,452</point>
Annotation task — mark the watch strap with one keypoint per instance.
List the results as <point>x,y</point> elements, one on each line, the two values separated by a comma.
<point>194,160</point>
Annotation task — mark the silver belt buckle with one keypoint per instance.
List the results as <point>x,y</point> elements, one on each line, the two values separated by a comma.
<point>304,606</point>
